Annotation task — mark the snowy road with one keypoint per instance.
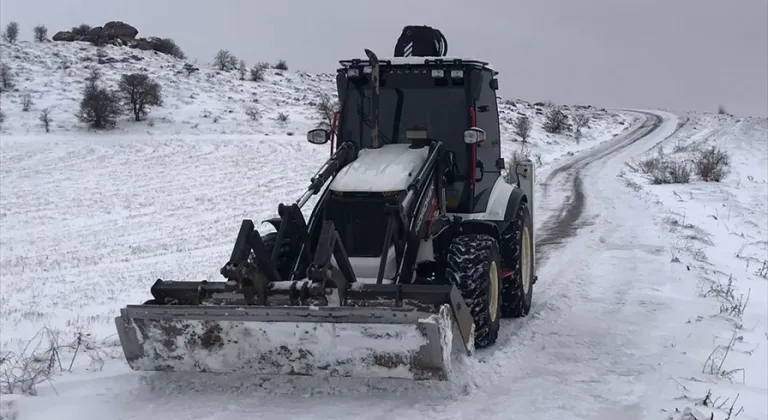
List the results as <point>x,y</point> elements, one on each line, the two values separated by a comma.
<point>590,349</point>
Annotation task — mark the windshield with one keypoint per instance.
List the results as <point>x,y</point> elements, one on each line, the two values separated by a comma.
<point>442,111</point>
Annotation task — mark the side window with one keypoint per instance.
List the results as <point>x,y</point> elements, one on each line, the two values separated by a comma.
<point>487,119</point>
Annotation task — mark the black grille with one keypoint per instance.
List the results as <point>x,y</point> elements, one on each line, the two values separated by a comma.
<point>361,222</point>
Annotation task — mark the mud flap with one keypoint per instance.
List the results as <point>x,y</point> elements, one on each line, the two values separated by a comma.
<point>334,341</point>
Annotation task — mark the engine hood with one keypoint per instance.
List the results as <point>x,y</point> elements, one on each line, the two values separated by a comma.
<point>388,168</point>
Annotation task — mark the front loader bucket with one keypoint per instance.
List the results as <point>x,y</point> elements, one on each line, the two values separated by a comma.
<point>347,341</point>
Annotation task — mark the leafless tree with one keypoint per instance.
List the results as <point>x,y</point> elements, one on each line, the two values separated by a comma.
<point>26,102</point>
<point>242,69</point>
<point>326,108</point>
<point>523,126</point>
<point>45,119</point>
<point>138,92</point>
<point>257,74</point>
<point>81,30</point>
<point>41,33</point>
<point>252,112</point>
<point>11,32</point>
<point>6,77</point>
<point>281,65</point>
<point>225,61</point>
<point>556,121</point>
<point>580,120</point>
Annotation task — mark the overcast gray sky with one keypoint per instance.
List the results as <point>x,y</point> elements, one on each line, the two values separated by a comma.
<point>678,54</point>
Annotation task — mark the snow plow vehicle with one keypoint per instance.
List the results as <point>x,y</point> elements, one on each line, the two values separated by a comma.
<point>415,249</point>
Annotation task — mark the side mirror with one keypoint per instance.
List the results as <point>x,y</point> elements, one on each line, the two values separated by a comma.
<point>318,136</point>
<point>474,136</point>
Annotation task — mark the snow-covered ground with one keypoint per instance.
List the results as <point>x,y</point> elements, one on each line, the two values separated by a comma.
<point>89,220</point>
<point>718,267</point>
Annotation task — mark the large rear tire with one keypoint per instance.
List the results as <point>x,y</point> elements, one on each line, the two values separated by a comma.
<point>473,265</point>
<point>283,268</point>
<point>517,289</point>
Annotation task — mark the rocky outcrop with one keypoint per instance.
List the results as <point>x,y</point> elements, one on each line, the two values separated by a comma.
<point>121,34</point>
<point>117,29</point>
<point>64,36</point>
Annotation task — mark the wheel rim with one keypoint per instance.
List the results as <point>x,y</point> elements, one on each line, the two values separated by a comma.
<point>493,304</point>
<point>525,260</point>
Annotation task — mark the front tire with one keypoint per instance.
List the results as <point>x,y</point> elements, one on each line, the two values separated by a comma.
<point>517,290</point>
<point>473,265</point>
<point>283,266</point>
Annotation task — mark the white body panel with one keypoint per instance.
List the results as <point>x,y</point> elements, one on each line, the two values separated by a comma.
<point>367,268</point>
<point>497,203</point>
<point>389,168</point>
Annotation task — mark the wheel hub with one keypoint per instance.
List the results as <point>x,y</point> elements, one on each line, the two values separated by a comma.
<point>525,260</point>
<point>493,302</point>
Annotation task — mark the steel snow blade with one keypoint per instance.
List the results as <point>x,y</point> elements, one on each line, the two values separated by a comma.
<point>380,342</point>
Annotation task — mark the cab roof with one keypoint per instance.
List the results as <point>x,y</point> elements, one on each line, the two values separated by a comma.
<point>420,61</point>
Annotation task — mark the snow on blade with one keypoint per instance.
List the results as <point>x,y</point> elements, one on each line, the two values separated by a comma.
<point>371,350</point>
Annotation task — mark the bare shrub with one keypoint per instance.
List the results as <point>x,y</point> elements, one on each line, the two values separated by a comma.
<point>650,164</point>
<point>663,169</point>
<point>281,65</point>
<point>138,93</point>
<point>762,271</point>
<point>523,126</point>
<point>44,356</point>
<point>45,119</point>
<point>11,32</point>
<point>6,77</point>
<point>283,118</point>
<point>26,102</point>
<point>252,112</point>
<point>326,108</point>
<point>189,69</point>
<point>716,360</point>
<point>556,121</point>
<point>522,155</point>
<point>64,64</point>
<point>99,107</point>
<point>81,30</point>
<point>262,65</point>
<point>93,77</point>
<point>711,164</point>
<point>672,171</point>
<point>580,120</point>
<point>257,74</point>
<point>242,69</point>
<point>2,117</point>
<point>168,46</point>
<point>225,61</point>
<point>730,304</point>
<point>41,33</point>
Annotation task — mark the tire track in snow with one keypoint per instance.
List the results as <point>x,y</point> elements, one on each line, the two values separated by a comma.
<point>583,351</point>
<point>564,224</point>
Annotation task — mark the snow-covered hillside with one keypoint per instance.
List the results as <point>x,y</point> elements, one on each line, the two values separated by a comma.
<point>210,101</point>
<point>204,102</point>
